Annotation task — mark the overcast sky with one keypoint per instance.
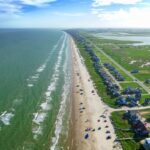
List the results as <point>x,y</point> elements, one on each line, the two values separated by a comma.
<point>75,13</point>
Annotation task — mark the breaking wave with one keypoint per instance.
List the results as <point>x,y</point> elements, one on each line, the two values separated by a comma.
<point>32,79</point>
<point>40,116</point>
<point>6,117</point>
<point>64,97</point>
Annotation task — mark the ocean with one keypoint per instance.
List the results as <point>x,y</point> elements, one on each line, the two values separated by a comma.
<point>35,88</point>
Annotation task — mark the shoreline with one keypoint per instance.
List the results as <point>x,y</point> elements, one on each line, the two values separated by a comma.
<point>87,108</point>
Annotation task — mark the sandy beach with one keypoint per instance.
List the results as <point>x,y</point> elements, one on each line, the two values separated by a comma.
<point>89,128</point>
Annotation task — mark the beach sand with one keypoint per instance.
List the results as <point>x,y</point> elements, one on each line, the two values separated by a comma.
<point>87,108</point>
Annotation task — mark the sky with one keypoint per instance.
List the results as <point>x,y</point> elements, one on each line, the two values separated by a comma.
<point>75,13</point>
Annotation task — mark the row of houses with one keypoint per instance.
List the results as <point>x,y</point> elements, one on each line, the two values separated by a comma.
<point>129,101</point>
<point>131,90</point>
<point>114,72</point>
<point>138,126</point>
<point>112,88</point>
<point>130,97</point>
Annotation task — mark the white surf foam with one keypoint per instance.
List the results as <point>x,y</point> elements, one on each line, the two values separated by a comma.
<point>32,79</point>
<point>41,68</point>
<point>30,85</point>
<point>65,93</point>
<point>45,106</point>
<point>17,102</point>
<point>6,117</point>
<point>39,117</point>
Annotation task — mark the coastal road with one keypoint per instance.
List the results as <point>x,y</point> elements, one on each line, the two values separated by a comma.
<point>123,69</point>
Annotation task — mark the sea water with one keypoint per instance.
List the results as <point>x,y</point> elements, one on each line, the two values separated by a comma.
<point>35,79</point>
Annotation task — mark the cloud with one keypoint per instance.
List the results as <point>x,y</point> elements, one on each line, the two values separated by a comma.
<point>145,4</point>
<point>37,2</point>
<point>8,7</point>
<point>133,17</point>
<point>16,6</point>
<point>96,11</point>
<point>118,17</point>
<point>77,14</point>
<point>97,3</point>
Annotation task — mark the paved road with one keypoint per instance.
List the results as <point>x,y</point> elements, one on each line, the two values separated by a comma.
<point>127,108</point>
<point>119,66</point>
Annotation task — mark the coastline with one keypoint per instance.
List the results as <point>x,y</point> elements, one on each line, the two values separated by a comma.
<point>86,109</point>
